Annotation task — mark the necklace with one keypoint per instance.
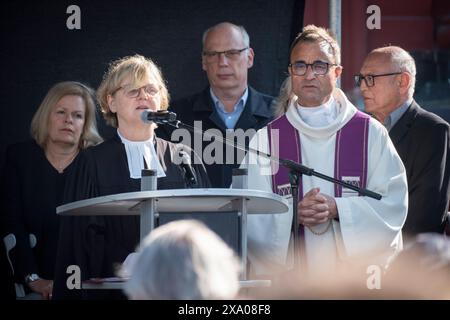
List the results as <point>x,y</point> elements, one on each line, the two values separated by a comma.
<point>318,233</point>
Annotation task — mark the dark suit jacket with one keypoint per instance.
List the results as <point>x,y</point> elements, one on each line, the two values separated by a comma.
<point>200,107</point>
<point>422,141</point>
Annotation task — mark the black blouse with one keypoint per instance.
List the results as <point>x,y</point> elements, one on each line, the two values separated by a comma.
<point>33,188</point>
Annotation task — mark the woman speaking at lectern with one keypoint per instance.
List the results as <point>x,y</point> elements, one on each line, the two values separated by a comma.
<point>97,244</point>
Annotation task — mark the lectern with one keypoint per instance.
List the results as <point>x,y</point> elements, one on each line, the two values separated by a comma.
<point>154,205</point>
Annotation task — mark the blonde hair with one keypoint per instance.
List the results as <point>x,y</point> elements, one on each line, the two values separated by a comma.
<point>312,33</point>
<point>139,68</point>
<point>39,123</point>
<point>284,98</point>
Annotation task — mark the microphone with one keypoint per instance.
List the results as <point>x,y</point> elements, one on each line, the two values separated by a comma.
<point>160,116</point>
<point>186,165</point>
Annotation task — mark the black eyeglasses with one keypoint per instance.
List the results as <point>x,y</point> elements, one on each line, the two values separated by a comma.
<point>299,68</point>
<point>213,56</point>
<point>370,78</point>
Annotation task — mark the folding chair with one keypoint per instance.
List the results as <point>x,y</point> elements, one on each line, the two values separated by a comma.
<point>10,242</point>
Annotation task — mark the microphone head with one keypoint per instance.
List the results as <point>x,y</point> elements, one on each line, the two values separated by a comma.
<point>160,116</point>
<point>144,116</point>
<point>185,157</point>
<point>172,116</point>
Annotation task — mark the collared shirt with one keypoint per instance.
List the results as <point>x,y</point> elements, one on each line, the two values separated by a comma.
<point>137,153</point>
<point>395,115</point>
<point>229,118</point>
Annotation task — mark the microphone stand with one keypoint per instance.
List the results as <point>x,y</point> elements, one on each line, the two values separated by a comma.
<point>299,243</point>
<point>296,171</point>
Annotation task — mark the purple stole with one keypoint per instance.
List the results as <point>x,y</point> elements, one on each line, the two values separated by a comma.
<point>350,163</point>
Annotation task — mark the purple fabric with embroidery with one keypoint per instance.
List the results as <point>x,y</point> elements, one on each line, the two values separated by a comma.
<point>351,151</point>
<point>350,156</point>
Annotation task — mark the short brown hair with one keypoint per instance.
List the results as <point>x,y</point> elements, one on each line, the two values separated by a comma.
<point>312,33</point>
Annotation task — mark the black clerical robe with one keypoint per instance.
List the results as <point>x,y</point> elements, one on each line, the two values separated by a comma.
<point>97,244</point>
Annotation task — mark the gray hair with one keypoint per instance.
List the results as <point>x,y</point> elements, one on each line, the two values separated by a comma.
<point>401,59</point>
<point>245,36</point>
<point>183,260</point>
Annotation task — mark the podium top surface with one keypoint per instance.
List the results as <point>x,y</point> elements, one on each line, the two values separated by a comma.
<point>178,200</point>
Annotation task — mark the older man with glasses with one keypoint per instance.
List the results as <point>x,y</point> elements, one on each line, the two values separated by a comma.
<point>421,138</point>
<point>320,128</point>
<point>228,103</point>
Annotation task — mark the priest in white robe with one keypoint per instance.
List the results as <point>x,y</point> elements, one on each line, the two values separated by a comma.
<point>338,230</point>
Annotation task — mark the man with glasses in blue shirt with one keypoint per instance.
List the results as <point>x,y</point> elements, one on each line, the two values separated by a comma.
<point>387,80</point>
<point>228,103</point>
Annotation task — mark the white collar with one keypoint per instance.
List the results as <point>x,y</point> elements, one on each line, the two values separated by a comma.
<point>136,152</point>
<point>320,116</point>
<point>345,111</point>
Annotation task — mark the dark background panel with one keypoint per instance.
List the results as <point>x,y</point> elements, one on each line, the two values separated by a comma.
<point>38,50</point>
<point>225,224</point>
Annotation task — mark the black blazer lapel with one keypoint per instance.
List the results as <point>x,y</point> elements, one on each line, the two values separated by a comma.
<point>401,128</point>
<point>206,104</point>
<point>247,119</point>
<point>215,118</point>
<point>254,109</point>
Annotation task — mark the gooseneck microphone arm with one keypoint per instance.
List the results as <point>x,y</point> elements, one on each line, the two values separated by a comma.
<point>296,170</point>
<point>170,119</point>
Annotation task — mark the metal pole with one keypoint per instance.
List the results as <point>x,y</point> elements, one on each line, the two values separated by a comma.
<point>240,181</point>
<point>148,207</point>
<point>334,19</point>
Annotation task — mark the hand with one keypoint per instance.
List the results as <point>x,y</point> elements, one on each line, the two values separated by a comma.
<point>316,208</point>
<point>43,287</point>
